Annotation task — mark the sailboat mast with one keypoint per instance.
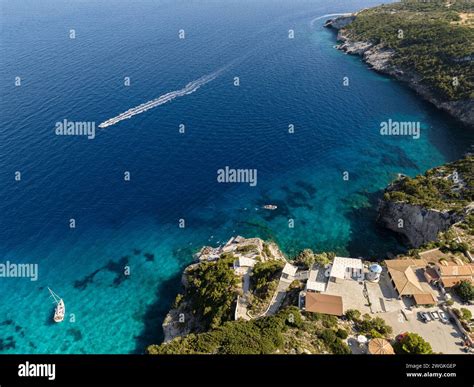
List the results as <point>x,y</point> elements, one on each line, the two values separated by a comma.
<point>55,296</point>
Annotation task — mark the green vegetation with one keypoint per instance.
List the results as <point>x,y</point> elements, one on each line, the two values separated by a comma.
<point>247,249</point>
<point>212,291</point>
<point>447,243</point>
<point>177,301</point>
<point>454,246</point>
<point>413,344</point>
<point>466,314</point>
<point>264,273</point>
<point>465,290</point>
<point>353,314</point>
<point>266,251</point>
<point>267,335</point>
<point>430,38</point>
<point>342,333</point>
<point>307,258</point>
<point>333,342</point>
<point>449,187</point>
<point>463,314</point>
<point>366,325</point>
<point>374,327</point>
<point>326,320</point>
<point>468,224</point>
<point>235,337</point>
<point>263,282</point>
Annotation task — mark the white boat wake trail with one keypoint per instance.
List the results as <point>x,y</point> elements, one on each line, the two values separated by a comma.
<point>191,87</point>
<point>327,15</point>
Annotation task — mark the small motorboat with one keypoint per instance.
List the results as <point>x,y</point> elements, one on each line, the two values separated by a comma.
<point>270,207</point>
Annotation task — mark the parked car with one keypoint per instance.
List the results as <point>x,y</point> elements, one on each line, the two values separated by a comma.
<point>442,316</point>
<point>434,315</point>
<point>424,316</point>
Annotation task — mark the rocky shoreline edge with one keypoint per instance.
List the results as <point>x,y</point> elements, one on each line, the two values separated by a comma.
<point>378,57</point>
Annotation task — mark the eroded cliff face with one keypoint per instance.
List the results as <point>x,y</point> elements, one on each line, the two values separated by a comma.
<point>378,57</point>
<point>415,224</point>
<point>340,22</point>
<point>180,321</point>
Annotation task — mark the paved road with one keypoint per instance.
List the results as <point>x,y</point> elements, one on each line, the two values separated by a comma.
<point>278,296</point>
<point>242,304</point>
<point>443,337</point>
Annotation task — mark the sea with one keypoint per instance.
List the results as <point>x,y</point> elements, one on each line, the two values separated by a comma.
<point>111,221</point>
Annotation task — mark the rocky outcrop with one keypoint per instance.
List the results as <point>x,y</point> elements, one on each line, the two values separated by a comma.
<point>415,224</point>
<point>178,322</point>
<point>419,208</point>
<point>378,57</point>
<point>340,22</point>
<point>181,319</point>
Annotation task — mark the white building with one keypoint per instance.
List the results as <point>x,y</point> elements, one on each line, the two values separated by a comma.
<point>242,265</point>
<point>289,271</point>
<point>374,272</point>
<point>346,268</point>
<point>312,284</point>
<point>244,262</point>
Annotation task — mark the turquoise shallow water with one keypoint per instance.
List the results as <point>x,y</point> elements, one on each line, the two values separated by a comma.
<point>135,224</point>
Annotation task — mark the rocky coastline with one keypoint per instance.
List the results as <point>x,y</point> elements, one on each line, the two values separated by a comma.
<point>420,225</point>
<point>378,57</point>
<point>182,320</point>
<point>409,210</point>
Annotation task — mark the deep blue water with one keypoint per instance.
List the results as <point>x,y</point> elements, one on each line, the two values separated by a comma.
<point>283,81</point>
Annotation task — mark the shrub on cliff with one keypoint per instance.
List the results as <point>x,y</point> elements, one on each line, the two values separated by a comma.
<point>342,333</point>
<point>428,39</point>
<point>327,320</point>
<point>212,291</point>
<point>449,187</point>
<point>263,273</point>
<point>334,343</point>
<point>262,336</point>
<point>353,314</point>
<point>307,258</point>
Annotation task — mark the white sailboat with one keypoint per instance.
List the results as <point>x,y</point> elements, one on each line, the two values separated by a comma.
<point>60,309</point>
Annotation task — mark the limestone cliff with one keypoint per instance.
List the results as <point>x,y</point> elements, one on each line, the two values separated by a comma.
<point>379,58</point>
<point>419,208</point>
<point>186,317</point>
<point>415,224</point>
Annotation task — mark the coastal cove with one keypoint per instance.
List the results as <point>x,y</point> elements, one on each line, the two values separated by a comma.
<point>440,72</point>
<point>135,223</point>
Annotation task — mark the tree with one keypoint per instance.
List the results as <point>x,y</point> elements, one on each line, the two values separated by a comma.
<point>333,342</point>
<point>305,258</point>
<point>414,344</point>
<point>353,314</point>
<point>263,273</point>
<point>342,333</point>
<point>324,258</point>
<point>376,327</point>
<point>465,290</point>
<point>328,336</point>
<point>212,291</point>
<point>466,314</point>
